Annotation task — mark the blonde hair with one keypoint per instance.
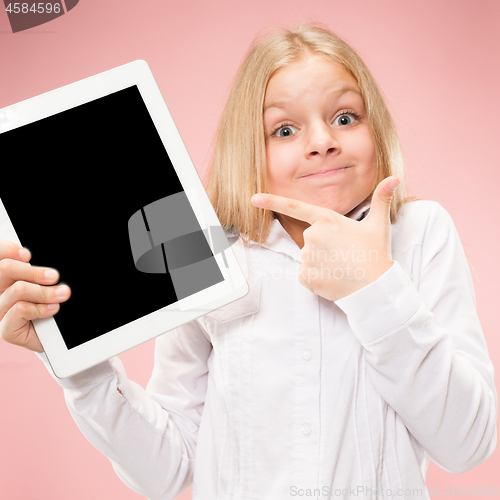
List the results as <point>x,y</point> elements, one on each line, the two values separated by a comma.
<point>238,168</point>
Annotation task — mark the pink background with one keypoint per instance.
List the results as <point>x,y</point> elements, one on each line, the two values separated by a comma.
<point>435,61</point>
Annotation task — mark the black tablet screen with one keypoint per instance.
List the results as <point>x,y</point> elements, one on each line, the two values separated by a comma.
<point>82,189</point>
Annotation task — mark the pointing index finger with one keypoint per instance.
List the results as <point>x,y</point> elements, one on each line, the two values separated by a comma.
<point>288,206</point>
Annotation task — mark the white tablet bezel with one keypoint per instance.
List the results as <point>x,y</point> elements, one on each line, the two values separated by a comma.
<point>66,362</point>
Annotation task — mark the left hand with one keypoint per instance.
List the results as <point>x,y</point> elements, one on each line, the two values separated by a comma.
<point>340,255</point>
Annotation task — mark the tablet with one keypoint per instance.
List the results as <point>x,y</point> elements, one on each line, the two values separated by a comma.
<point>100,186</point>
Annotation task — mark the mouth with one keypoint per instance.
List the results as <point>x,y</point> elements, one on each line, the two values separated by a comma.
<point>326,172</point>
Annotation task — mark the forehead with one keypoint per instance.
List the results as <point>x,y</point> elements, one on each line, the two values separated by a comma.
<point>310,75</point>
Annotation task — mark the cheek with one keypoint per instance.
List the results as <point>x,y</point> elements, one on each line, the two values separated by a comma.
<point>362,147</point>
<point>369,172</point>
<point>281,164</point>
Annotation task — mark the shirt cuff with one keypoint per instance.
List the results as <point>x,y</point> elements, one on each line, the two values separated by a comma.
<point>92,376</point>
<point>382,306</point>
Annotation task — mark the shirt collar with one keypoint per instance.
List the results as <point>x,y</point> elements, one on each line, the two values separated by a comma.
<point>361,211</point>
<point>280,241</point>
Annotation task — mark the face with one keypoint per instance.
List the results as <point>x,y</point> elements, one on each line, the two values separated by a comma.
<point>318,142</point>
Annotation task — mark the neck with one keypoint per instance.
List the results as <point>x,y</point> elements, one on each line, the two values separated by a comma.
<point>294,228</point>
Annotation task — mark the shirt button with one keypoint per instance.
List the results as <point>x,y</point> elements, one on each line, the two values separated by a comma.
<point>307,353</point>
<point>306,428</point>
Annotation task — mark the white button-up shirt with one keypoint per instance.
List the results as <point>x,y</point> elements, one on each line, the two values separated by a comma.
<point>284,394</point>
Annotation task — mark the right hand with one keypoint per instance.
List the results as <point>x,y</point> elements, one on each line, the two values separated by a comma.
<point>26,294</point>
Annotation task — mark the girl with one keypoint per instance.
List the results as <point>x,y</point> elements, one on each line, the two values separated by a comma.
<point>356,356</point>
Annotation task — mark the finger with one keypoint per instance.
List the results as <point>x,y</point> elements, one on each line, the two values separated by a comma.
<point>381,200</point>
<point>11,250</point>
<point>13,270</point>
<point>16,326</point>
<point>293,208</point>
<point>29,292</point>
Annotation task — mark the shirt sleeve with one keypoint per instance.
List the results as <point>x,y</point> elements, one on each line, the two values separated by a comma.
<point>149,435</point>
<point>426,352</point>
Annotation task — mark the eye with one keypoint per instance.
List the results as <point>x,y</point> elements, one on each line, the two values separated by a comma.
<point>345,119</point>
<point>284,131</point>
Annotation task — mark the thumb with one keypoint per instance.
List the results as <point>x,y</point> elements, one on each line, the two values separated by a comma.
<point>382,198</point>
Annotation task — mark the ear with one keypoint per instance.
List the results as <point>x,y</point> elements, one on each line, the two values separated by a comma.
<point>382,198</point>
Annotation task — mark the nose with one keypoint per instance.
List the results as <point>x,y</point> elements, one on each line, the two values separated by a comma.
<point>321,140</point>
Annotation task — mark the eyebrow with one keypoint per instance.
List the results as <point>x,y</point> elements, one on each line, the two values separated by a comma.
<point>338,92</point>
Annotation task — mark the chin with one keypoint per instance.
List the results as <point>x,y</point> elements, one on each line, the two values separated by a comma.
<point>340,208</point>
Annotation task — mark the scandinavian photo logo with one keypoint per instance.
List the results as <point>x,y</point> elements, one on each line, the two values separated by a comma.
<point>26,15</point>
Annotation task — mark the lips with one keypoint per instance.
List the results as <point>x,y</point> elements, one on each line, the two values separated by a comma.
<point>325,172</point>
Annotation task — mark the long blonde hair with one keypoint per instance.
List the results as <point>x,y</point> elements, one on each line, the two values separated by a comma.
<point>239,165</point>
